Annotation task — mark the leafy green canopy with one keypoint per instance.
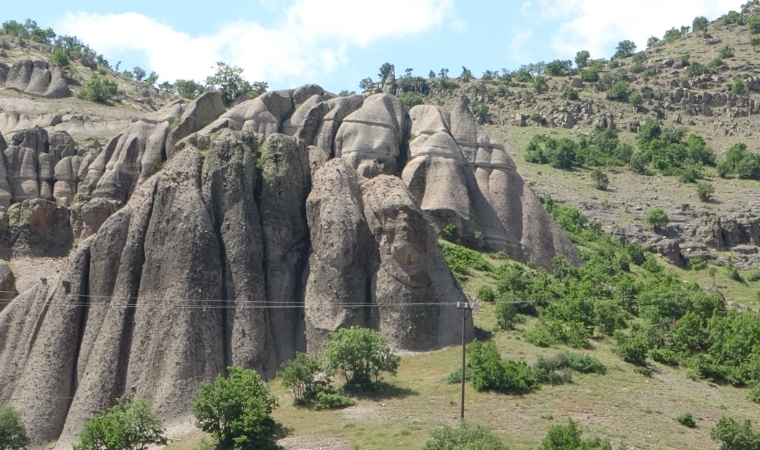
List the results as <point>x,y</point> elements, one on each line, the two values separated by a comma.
<point>360,354</point>
<point>12,431</point>
<point>125,426</point>
<point>466,437</point>
<point>669,151</point>
<point>600,148</point>
<point>236,411</point>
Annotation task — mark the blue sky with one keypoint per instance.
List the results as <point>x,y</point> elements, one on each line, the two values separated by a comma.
<point>335,43</point>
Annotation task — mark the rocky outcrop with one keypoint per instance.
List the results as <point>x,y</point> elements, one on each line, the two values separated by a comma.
<point>39,227</point>
<point>38,78</point>
<point>460,177</point>
<point>201,112</point>
<point>7,284</point>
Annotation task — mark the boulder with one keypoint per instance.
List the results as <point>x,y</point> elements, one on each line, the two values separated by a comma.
<point>38,78</point>
<point>201,112</point>
<point>39,228</point>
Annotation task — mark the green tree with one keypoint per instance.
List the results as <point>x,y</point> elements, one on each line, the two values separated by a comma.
<point>365,83</point>
<point>705,191</point>
<point>360,354</point>
<point>726,52</point>
<point>652,41</point>
<point>619,92</point>
<point>151,79</point>
<point>600,179</point>
<point>59,58</point>
<point>299,375</point>
<point>657,219</point>
<point>386,70</point>
<point>625,49</point>
<point>466,437</point>
<point>636,99</point>
<point>572,93</point>
<point>754,41</point>
<point>12,431</point>
<point>466,74</point>
<point>236,411</point>
<point>125,426</point>
<point>229,80</point>
<point>540,84</point>
<point>43,36</point>
<point>754,24</point>
<point>581,58</point>
<point>700,24</point>
<point>189,88</point>
<point>139,74</point>
<point>735,436</point>
<point>557,67</point>
<point>99,90</point>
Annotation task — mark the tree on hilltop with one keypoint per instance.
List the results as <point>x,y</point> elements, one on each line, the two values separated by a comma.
<point>700,24</point>
<point>386,70</point>
<point>581,58</point>
<point>625,49</point>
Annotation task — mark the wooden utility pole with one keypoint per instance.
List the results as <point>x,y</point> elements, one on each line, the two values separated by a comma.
<point>466,306</point>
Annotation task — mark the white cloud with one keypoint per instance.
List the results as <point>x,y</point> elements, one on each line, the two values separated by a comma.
<point>520,38</point>
<point>595,25</point>
<point>312,37</point>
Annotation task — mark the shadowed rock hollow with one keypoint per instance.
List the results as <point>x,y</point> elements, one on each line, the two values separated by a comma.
<point>270,226</point>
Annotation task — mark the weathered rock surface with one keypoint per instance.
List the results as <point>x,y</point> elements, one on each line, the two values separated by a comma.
<point>38,78</point>
<point>7,284</point>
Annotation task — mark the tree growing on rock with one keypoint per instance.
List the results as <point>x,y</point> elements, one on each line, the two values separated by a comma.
<point>229,80</point>
<point>466,74</point>
<point>652,41</point>
<point>125,426</point>
<point>657,219</point>
<point>236,411</point>
<point>540,84</point>
<point>139,74</point>
<point>360,355</point>
<point>12,431</point>
<point>386,70</point>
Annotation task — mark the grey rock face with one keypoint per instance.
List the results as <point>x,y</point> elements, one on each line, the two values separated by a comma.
<point>40,228</point>
<point>38,78</point>
<point>201,112</point>
<point>4,69</point>
<point>7,284</point>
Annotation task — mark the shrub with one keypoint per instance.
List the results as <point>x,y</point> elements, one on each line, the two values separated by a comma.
<point>579,362</point>
<point>754,24</point>
<point>557,68</point>
<point>696,69</point>
<point>568,437</point>
<point>738,87</point>
<point>188,88</point>
<point>657,219</point>
<point>236,411</point>
<point>652,41</point>
<point>506,312</point>
<point>540,84</point>
<point>664,356</point>
<point>12,430</point>
<point>229,80</point>
<point>638,162</point>
<point>754,394</point>
<point>486,294</point>
<point>99,90</point>
<point>488,372</point>
<point>299,376</point>
<point>600,179</point>
<point>726,52</point>
<point>686,420</point>
<point>571,93</point>
<point>590,75</point>
<point>636,99</point>
<point>618,92</point>
<point>735,436</point>
<point>733,17</point>
<point>329,399</point>
<point>523,76</point>
<point>465,437</point>
<point>461,259</point>
<point>360,354</point>
<point>705,191</point>
<point>753,275</point>
<point>636,253</point>
<point>125,426</point>
<point>733,273</point>
<point>59,57</point>
<point>631,348</point>
<point>411,99</point>
<point>697,264</point>
<point>754,41</point>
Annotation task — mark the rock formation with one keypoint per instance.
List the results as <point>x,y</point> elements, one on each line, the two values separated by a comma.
<point>290,225</point>
<point>37,78</point>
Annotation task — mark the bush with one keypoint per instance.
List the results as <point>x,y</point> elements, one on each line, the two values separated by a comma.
<point>618,92</point>
<point>657,219</point>
<point>754,41</point>
<point>571,93</point>
<point>696,69</point>
<point>700,24</point>
<point>125,426</point>
<point>99,90</point>
<point>236,411</point>
<point>299,376</point>
<point>557,68</point>
<point>738,87</point>
<point>360,354</point>
<point>580,362</point>
<point>188,88</point>
<point>754,394</point>
<point>705,191</point>
<point>664,356</point>
<point>465,437</point>
<point>632,348</point>
<point>540,84</point>
<point>686,420</point>
<point>636,253</point>
<point>461,260</point>
<point>486,294</point>
<point>636,99</point>
<point>753,275</point>
<point>735,436</point>
<point>329,399</point>
<point>506,312</point>
<point>726,52</point>
<point>590,75</point>
<point>733,17</point>
<point>12,430</point>
<point>488,372</point>
<point>411,99</point>
<point>59,58</point>
<point>601,180</point>
<point>568,437</point>
<point>754,24</point>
